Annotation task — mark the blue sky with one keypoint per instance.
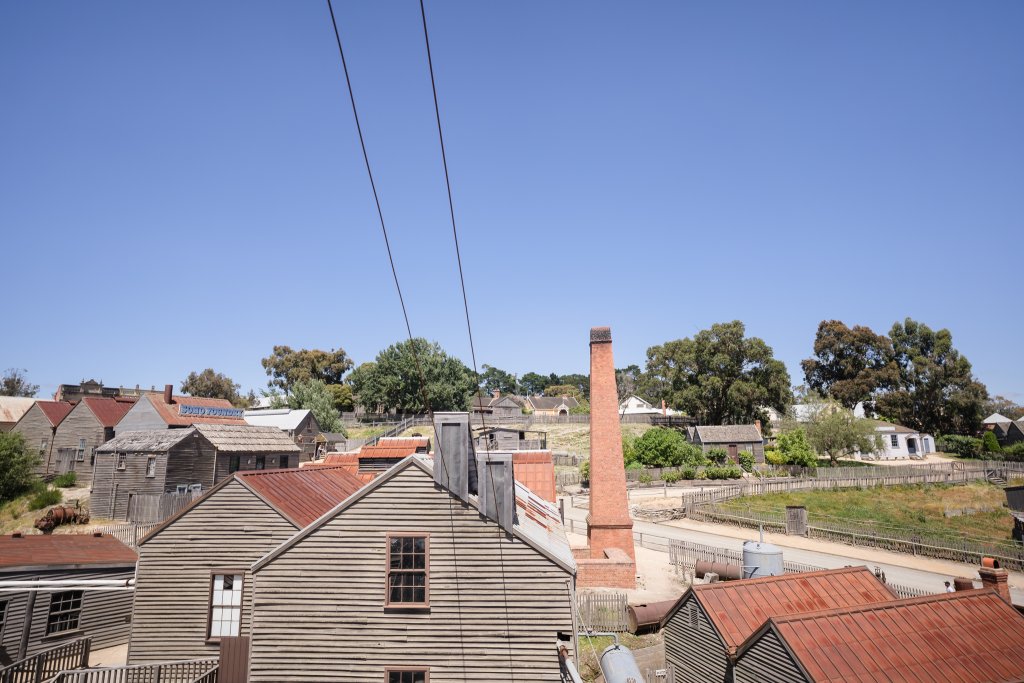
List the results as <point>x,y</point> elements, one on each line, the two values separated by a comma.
<point>181,185</point>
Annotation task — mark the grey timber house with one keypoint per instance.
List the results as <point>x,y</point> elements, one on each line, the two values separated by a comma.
<point>497,406</point>
<point>216,539</point>
<point>706,627</point>
<point>414,575</point>
<point>38,426</point>
<point>732,438</point>
<point>300,425</point>
<point>182,460</point>
<point>35,620</point>
<point>89,425</point>
<point>511,439</point>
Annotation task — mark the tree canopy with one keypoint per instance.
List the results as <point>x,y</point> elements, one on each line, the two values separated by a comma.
<point>719,376</point>
<point>936,391</point>
<point>286,366</point>
<point>1003,406</point>
<point>392,380</point>
<point>494,379</point>
<point>315,396</point>
<point>838,434</point>
<point>660,447</point>
<point>534,384</point>
<point>210,384</point>
<point>14,382</point>
<point>17,466</point>
<point>850,364</point>
<point>626,380</point>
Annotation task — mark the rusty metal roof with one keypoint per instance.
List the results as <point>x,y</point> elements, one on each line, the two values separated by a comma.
<point>52,551</point>
<point>13,407</point>
<point>109,411</point>
<point>302,495</point>
<point>536,471</point>
<point>967,636</point>
<point>739,608</point>
<point>169,412</point>
<point>55,411</point>
<point>397,447</point>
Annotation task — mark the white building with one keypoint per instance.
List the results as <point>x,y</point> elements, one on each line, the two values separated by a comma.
<point>900,443</point>
<point>634,405</point>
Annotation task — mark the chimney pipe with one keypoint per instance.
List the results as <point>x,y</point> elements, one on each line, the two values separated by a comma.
<point>995,577</point>
<point>757,423</point>
<point>497,488</point>
<point>168,393</point>
<point>497,393</point>
<point>455,459</point>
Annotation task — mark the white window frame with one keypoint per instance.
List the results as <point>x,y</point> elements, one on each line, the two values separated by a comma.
<point>894,441</point>
<point>151,467</point>
<point>80,456</point>
<point>225,610</point>
<point>122,461</point>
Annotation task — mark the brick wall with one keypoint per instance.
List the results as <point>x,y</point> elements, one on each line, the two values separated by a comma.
<point>616,570</point>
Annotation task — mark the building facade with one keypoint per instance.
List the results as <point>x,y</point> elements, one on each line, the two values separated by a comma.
<point>300,425</point>
<point>38,426</point>
<point>167,411</point>
<point>734,439</point>
<point>89,425</point>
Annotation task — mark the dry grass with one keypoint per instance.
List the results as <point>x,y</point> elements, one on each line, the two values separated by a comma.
<point>15,515</point>
<point>589,649</point>
<point>571,438</point>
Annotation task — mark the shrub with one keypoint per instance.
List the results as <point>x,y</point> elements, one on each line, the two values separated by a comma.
<point>628,450</point>
<point>964,446</point>
<point>717,456</point>
<point>44,499</point>
<point>17,466</point>
<point>634,466</point>
<point>661,447</point>
<point>645,477</point>
<point>990,443</point>
<point>796,450</point>
<point>689,473</point>
<point>746,459</point>
<point>585,470</point>
<point>671,477</point>
<point>1015,452</point>
<point>774,458</point>
<point>723,472</point>
<point>66,480</point>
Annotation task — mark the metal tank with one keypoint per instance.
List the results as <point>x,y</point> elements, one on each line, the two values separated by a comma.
<point>761,559</point>
<point>619,666</point>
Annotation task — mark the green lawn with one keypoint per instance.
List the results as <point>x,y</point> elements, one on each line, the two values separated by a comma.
<point>911,509</point>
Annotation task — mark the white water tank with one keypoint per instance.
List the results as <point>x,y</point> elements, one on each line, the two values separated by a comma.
<point>761,559</point>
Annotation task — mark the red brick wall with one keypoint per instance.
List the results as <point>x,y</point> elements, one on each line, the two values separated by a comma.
<point>616,571</point>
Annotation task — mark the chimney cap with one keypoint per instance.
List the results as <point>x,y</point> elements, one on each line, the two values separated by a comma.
<point>16,534</point>
<point>600,335</point>
<point>990,563</point>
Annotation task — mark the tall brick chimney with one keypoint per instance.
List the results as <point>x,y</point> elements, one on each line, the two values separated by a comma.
<point>168,393</point>
<point>994,577</point>
<point>609,524</point>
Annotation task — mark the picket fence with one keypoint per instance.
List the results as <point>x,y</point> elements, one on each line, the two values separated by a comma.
<point>604,611</point>
<point>128,533</point>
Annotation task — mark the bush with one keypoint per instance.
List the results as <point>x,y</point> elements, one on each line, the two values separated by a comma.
<point>717,456</point>
<point>990,443</point>
<point>689,473</point>
<point>746,459</point>
<point>774,458</point>
<point>17,466</point>
<point>66,480</point>
<point>1015,452</point>
<point>44,499</point>
<point>796,449</point>
<point>671,477</point>
<point>723,472</point>
<point>645,477</point>
<point>585,470</point>
<point>634,466</point>
<point>964,446</point>
<point>661,447</point>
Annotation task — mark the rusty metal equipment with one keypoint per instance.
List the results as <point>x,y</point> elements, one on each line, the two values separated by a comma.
<point>726,572</point>
<point>647,618</point>
<point>62,514</point>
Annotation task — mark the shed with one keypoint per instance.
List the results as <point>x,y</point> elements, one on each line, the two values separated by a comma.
<point>511,439</point>
<point>497,405</point>
<point>732,438</point>
<point>31,621</point>
<point>38,426</point>
<point>300,425</point>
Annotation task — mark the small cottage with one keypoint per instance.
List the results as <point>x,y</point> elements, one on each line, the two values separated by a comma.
<point>89,425</point>
<point>42,618</point>
<point>194,568</point>
<point>38,426</point>
<point>551,405</point>
<point>167,411</point>
<point>182,460</point>
<point>12,408</point>
<point>511,439</point>
<point>732,438</point>
<point>900,443</point>
<point>301,425</point>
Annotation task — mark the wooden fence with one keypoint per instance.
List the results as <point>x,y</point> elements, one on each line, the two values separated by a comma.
<point>128,533</point>
<point>43,665</point>
<point>189,671</point>
<point>604,611</point>
<point>147,508</point>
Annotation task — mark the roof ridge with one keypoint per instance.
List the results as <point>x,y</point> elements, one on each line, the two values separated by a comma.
<point>703,587</point>
<point>889,604</point>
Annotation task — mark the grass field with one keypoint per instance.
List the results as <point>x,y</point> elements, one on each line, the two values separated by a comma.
<point>572,438</point>
<point>920,509</point>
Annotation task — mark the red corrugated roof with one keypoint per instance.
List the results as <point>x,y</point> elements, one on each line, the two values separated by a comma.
<point>302,495</point>
<point>169,412</point>
<point>109,411</point>
<point>63,550</point>
<point>55,411</point>
<point>969,636</point>
<point>536,471</point>
<point>394,448</point>
<point>739,608</point>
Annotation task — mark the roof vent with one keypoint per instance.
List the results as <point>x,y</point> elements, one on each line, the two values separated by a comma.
<point>497,488</point>
<point>16,534</point>
<point>455,460</point>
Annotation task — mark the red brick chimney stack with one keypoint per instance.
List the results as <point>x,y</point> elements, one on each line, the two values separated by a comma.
<point>497,393</point>
<point>168,393</point>
<point>992,576</point>
<point>609,523</point>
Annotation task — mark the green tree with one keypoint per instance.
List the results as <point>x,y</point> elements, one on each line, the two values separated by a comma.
<point>392,381</point>
<point>795,448</point>
<point>850,364</point>
<point>17,466</point>
<point>626,380</point>
<point>719,376</point>
<point>567,390</point>
<point>494,379</point>
<point>14,382</point>
<point>286,366</point>
<point>936,392</point>
<point>315,396</point>
<point>210,384</point>
<point>990,443</point>
<point>580,382</point>
<point>839,434</point>
<point>342,397</point>
<point>1003,406</point>
<point>534,384</point>
<point>660,447</point>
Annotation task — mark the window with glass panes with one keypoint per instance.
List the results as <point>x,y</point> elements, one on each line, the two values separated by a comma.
<point>65,610</point>
<point>225,605</point>
<point>894,441</point>
<point>408,569</point>
<point>408,676</point>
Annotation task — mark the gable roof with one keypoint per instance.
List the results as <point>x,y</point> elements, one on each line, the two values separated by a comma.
<point>302,495</point>
<point>394,447</point>
<point>50,551</point>
<point>245,438</point>
<point>171,413</point>
<point>552,402</point>
<point>537,522</point>
<point>283,418</point>
<point>738,608</point>
<point>55,411</point>
<point>891,427</point>
<point>967,636</point>
<point>728,433</point>
<point>147,441</point>
<point>13,407</point>
<point>995,418</point>
<point>109,411</point>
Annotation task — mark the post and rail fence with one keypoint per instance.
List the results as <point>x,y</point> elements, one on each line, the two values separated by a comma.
<point>46,664</point>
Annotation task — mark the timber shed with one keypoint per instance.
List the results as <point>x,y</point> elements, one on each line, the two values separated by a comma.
<point>710,621</point>
<point>212,543</point>
<point>731,438</point>
<point>31,621</point>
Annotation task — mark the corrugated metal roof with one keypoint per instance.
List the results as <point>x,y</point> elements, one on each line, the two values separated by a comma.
<point>245,438</point>
<point>109,411</point>
<point>13,407</point>
<point>728,433</point>
<point>739,608</point>
<point>148,441</point>
<point>64,550</point>
<point>396,447</point>
<point>170,411</point>
<point>55,411</point>
<point>969,636</point>
<point>284,418</point>
<point>302,495</point>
